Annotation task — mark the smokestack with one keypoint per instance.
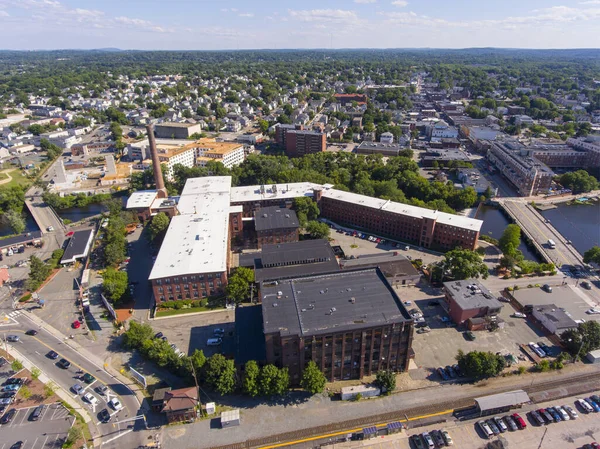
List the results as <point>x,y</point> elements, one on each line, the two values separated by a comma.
<point>158,178</point>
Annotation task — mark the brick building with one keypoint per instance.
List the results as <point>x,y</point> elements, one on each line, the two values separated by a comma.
<point>346,99</point>
<point>301,142</point>
<point>275,225</point>
<point>351,324</point>
<point>469,299</point>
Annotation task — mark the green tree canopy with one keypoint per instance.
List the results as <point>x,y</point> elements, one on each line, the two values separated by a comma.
<point>137,334</point>
<point>15,221</point>
<point>578,181</point>
<point>306,209</point>
<point>313,380</point>
<point>250,380</point>
<point>238,285</point>
<point>273,381</point>
<point>220,374</point>
<point>464,264</point>
<point>582,340</point>
<point>592,255</point>
<point>114,284</point>
<point>158,227</point>
<point>386,380</point>
<point>479,364</point>
<point>317,230</point>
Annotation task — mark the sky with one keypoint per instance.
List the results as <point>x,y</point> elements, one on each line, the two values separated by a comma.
<point>245,24</point>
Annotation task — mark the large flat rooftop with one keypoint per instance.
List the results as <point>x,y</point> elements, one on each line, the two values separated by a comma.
<point>329,303</point>
<point>272,191</point>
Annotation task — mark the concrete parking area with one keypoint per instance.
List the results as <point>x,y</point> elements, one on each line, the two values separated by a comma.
<point>49,431</point>
<point>189,333</point>
<point>355,246</point>
<point>440,346</point>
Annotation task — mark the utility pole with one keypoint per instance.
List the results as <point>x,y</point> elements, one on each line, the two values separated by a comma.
<point>543,436</point>
<point>197,386</point>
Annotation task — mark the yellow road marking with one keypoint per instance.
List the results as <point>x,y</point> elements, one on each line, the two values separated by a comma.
<point>345,432</point>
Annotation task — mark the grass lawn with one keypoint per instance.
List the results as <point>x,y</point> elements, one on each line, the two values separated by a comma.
<point>17,178</point>
<point>172,312</point>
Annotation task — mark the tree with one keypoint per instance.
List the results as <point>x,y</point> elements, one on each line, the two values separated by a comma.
<point>317,230</point>
<point>306,209</point>
<point>220,374</point>
<point>386,380</point>
<point>35,373</point>
<point>38,273</point>
<point>74,435</point>
<point>15,221</point>
<point>263,125</point>
<point>25,392</point>
<point>158,227</point>
<point>579,181</point>
<point>137,334</point>
<point>49,389</point>
<point>313,380</point>
<point>273,381</point>
<point>592,255</point>
<point>582,340</point>
<point>464,264</point>
<point>479,364</point>
<point>238,286</point>
<point>114,284</point>
<point>16,365</point>
<point>250,380</point>
<point>198,360</point>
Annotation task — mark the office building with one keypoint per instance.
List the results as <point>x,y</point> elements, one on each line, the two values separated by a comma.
<point>470,299</point>
<point>275,225</point>
<point>172,130</point>
<point>351,324</point>
<point>299,143</point>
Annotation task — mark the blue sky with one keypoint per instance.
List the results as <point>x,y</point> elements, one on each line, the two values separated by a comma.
<point>236,24</point>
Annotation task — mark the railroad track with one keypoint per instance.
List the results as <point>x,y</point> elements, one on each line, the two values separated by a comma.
<point>396,415</point>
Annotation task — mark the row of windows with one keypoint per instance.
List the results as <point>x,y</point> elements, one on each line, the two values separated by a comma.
<point>187,287</point>
<point>184,279</point>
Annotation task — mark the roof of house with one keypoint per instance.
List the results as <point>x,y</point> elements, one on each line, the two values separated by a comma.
<point>78,246</point>
<point>159,394</point>
<point>389,263</point>
<point>334,302</point>
<point>182,399</point>
<point>471,294</point>
<point>270,218</point>
<point>556,315</point>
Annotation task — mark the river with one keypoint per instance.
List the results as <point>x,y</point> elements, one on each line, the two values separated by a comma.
<point>579,223</point>
<point>80,213</point>
<point>494,224</point>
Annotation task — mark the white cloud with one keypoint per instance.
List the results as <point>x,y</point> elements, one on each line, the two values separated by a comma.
<point>400,3</point>
<point>4,14</point>
<point>590,2</point>
<point>325,15</point>
<point>141,24</point>
<point>246,14</point>
<point>224,10</point>
<point>365,2</point>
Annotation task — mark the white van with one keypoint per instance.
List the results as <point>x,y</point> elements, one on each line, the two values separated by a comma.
<point>213,342</point>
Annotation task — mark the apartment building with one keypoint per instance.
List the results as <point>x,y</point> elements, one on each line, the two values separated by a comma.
<point>171,155</point>
<point>351,324</point>
<point>229,154</point>
<point>300,143</point>
<point>591,145</point>
<point>276,225</point>
<point>516,162</point>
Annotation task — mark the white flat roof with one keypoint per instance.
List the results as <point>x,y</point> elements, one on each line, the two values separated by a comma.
<point>283,191</point>
<point>404,209</point>
<point>197,240</point>
<point>142,198</point>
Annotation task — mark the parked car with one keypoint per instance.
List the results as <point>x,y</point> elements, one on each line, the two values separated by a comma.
<point>417,442</point>
<point>451,372</point>
<point>158,335</point>
<point>519,315</point>
<point>537,418</point>
<point>485,428</point>
<point>584,405</point>
<point>423,330</point>
<point>213,342</point>
<point>13,387</point>
<point>521,424</point>
<point>101,389</point>
<point>511,424</point>
<point>64,363</point>
<point>104,415</point>
<point>586,285</point>
<point>14,381</point>
<point>115,403</point>
<point>8,416</point>
<point>447,438</point>
<point>547,288</point>
<point>37,412</point>
<point>563,413</point>
<point>501,424</point>
<point>437,438</point>
<point>458,370</point>
<point>546,416</point>
<point>89,397</point>
<point>595,406</point>
<point>593,311</point>
<point>76,324</point>
<point>556,417</point>
<point>77,388</point>
<point>428,440</point>
<point>493,426</point>
<point>572,413</point>
<point>470,335</point>
<point>442,373</point>
<point>219,332</point>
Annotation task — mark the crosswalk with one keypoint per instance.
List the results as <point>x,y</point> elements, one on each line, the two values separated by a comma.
<point>8,319</point>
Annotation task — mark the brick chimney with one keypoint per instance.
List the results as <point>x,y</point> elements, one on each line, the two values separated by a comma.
<point>158,178</point>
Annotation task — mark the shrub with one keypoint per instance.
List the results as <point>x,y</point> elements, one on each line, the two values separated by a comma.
<point>521,370</point>
<point>178,305</point>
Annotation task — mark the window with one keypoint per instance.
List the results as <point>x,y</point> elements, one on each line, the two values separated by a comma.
<point>159,282</point>
<point>160,289</point>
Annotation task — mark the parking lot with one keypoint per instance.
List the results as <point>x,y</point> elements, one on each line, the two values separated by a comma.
<point>572,434</point>
<point>192,332</point>
<point>439,347</point>
<point>355,246</point>
<point>49,431</point>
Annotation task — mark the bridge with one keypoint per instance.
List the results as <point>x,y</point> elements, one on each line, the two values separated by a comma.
<point>539,231</point>
<point>43,215</point>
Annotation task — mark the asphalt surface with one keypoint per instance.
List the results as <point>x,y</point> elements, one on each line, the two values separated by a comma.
<point>49,431</point>
<point>535,225</point>
<point>35,349</point>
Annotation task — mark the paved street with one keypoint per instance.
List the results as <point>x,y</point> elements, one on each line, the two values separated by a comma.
<point>48,432</point>
<point>35,349</point>
<point>534,224</point>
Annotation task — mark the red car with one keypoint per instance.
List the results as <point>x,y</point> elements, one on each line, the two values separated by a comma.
<point>76,324</point>
<point>521,424</point>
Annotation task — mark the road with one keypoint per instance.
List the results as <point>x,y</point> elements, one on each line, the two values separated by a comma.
<point>536,227</point>
<point>43,214</point>
<point>35,349</point>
